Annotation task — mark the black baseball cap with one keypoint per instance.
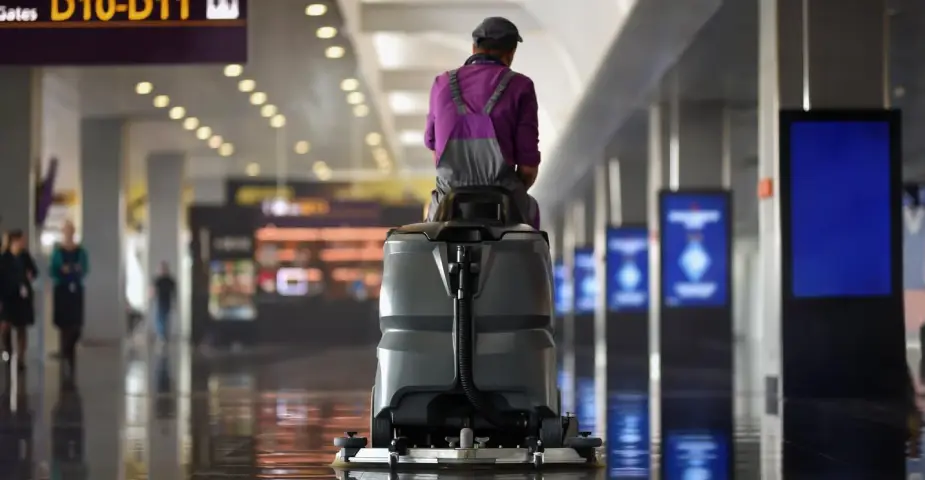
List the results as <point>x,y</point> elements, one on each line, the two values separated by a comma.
<point>496,32</point>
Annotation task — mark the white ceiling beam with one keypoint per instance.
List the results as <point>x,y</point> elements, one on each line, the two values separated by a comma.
<point>440,16</point>
<point>407,80</point>
<point>409,122</point>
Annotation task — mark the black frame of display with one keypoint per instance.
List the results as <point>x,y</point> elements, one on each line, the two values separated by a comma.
<point>825,398</point>
<point>697,391</point>
<point>628,331</point>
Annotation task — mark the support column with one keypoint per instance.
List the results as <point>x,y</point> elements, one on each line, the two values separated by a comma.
<point>629,186</point>
<point>166,175</point>
<point>824,54</point>
<point>698,136</point>
<point>656,180</point>
<point>103,218</point>
<point>103,143</point>
<point>573,237</point>
<point>20,141</point>
<point>20,148</point>
<point>601,223</point>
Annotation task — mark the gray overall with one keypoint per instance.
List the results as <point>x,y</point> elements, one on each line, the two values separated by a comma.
<point>472,156</point>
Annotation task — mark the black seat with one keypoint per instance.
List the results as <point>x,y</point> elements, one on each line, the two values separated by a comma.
<point>486,205</point>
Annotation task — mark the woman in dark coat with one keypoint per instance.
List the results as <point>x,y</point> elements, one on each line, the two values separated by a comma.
<point>19,271</point>
<point>69,266</point>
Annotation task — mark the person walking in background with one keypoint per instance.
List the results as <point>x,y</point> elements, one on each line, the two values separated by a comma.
<point>164,293</point>
<point>69,267</point>
<point>19,271</point>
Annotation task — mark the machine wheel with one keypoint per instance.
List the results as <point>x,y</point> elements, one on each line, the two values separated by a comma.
<point>380,429</point>
<point>552,433</point>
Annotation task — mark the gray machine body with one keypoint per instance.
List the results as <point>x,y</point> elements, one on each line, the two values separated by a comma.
<point>514,353</point>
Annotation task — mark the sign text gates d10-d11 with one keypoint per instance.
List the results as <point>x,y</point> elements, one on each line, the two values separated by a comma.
<point>112,32</point>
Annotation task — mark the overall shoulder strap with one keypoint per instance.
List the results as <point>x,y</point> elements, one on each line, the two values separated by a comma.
<point>456,92</point>
<point>499,90</point>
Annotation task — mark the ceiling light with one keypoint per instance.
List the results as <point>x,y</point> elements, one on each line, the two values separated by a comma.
<point>334,52</point>
<point>326,32</point>
<point>316,10</point>
<point>233,70</point>
<point>161,101</point>
<point>278,121</point>
<point>226,150</point>
<point>191,123</point>
<point>215,141</point>
<point>360,110</point>
<point>268,110</point>
<point>322,171</point>
<point>144,88</point>
<point>177,113</point>
<point>258,98</point>
<point>203,133</point>
<point>411,137</point>
<point>252,169</point>
<point>373,139</point>
<point>355,98</point>
<point>247,85</point>
<point>349,84</point>
<point>302,147</point>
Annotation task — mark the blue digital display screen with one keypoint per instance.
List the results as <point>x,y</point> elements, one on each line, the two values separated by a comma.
<point>586,413</point>
<point>585,281</point>
<point>701,455</point>
<point>562,289</point>
<point>840,241</point>
<point>628,440</point>
<point>627,269</point>
<point>695,249</point>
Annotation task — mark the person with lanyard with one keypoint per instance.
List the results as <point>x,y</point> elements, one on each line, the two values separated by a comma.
<point>483,123</point>
<point>69,267</point>
<point>19,271</point>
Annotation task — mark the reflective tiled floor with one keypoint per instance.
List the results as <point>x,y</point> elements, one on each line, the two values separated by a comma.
<point>168,414</point>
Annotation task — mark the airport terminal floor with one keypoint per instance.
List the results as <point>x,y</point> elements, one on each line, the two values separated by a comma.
<point>165,413</point>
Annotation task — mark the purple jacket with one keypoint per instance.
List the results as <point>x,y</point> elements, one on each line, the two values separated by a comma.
<point>515,117</point>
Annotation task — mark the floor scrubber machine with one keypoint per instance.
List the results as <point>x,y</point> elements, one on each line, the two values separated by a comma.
<point>467,363</point>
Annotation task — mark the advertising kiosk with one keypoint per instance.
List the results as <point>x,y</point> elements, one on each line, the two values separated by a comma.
<point>696,339</point>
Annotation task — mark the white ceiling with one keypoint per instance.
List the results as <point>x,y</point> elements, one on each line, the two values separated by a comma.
<point>394,49</point>
<point>287,63</point>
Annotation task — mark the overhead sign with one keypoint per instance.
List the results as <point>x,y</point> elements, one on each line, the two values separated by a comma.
<point>841,242</point>
<point>627,269</point>
<point>584,281</point>
<point>562,289</point>
<point>695,248</point>
<point>100,32</point>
